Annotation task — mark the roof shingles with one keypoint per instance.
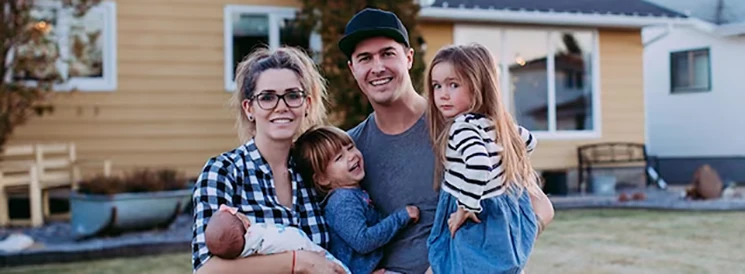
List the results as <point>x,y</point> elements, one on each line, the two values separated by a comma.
<point>615,7</point>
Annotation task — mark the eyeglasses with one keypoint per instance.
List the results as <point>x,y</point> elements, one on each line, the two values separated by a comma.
<point>270,100</point>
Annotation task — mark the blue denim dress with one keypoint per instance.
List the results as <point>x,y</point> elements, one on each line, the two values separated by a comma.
<point>500,243</point>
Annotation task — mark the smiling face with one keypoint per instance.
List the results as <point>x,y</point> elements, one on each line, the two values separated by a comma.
<point>278,106</point>
<point>381,67</point>
<point>346,168</point>
<point>451,94</point>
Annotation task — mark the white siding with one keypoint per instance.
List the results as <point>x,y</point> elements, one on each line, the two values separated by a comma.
<point>697,124</point>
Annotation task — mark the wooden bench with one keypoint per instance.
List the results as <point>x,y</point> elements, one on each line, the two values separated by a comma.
<point>35,169</point>
<point>611,154</point>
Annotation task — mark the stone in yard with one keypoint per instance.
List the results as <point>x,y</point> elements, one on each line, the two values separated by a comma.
<point>16,242</point>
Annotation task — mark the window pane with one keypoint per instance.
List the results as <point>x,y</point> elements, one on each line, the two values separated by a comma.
<point>680,70</point>
<point>690,70</point>
<point>526,57</point>
<point>489,37</point>
<point>573,80</point>
<point>292,34</point>
<point>700,69</point>
<point>42,46</point>
<point>86,45</point>
<point>249,32</point>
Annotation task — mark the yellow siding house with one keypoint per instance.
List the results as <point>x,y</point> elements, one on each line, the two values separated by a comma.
<point>157,95</point>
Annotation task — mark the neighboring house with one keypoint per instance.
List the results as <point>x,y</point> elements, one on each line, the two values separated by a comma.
<point>694,89</point>
<point>571,72</point>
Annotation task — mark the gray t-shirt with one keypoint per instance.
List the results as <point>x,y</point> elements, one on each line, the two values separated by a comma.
<point>399,172</point>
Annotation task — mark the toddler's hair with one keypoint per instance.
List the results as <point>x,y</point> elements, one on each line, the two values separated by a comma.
<point>315,148</point>
<point>224,235</point>
<point>475,66</point>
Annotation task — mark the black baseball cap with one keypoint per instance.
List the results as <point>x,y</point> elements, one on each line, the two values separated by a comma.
<point>369,23</point>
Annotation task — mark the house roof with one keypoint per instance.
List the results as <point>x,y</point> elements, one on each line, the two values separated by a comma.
<point>722,17</point>
<point>617,7</point>
<point>719,12</point>
<point>593,13</point>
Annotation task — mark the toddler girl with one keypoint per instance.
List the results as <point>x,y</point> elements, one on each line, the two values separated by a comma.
<point>483,170</point>
<point>328,157</point>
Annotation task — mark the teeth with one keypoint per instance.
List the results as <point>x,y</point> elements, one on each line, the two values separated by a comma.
<point>281,121</point>
<point>380,82</point>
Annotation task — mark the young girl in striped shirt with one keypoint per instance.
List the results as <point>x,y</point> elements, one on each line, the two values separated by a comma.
<point>483,173</point>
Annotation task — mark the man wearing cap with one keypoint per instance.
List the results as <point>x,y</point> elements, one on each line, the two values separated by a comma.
<point>394,139</point>
<point>399,162</point>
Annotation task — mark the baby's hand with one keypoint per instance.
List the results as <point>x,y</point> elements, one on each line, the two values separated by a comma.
<point>413,213</point>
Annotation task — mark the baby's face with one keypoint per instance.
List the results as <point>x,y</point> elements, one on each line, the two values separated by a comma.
<point>232,210</point>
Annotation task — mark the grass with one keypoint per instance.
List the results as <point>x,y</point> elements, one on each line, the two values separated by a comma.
<point>578,241</point>
<point>637,241</point>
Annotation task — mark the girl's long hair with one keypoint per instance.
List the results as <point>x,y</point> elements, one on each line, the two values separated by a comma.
<point>475,66</point>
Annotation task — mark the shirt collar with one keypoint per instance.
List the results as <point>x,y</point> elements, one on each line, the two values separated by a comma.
<point>255,156</point>
<point>474,119</point>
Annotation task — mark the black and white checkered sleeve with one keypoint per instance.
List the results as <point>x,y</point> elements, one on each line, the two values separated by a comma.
<point>214,187</point>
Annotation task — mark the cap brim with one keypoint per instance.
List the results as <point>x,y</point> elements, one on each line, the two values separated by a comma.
<point>348,43</point>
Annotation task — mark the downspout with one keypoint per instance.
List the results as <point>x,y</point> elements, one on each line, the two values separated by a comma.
<point>660,36</point>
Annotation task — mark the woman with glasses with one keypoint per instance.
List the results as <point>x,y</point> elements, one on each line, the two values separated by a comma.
<point>280,94</point>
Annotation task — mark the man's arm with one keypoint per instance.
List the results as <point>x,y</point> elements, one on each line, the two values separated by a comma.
<point>542,206</point>
<point>543,209</point>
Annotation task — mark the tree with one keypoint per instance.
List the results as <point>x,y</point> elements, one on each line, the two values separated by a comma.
<point>328,19</point>
<point>30,56</point>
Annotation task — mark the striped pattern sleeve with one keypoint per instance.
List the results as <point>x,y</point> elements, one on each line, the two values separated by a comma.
<point>471,180</point>
<point>530,141</point>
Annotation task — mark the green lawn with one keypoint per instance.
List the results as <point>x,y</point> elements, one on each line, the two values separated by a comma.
<point>578,241</point>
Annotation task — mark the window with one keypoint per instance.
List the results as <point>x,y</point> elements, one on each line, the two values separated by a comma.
<point>249,27</point>
<point>86,46</point>
<point>690,71</point>
<point>549,77</point>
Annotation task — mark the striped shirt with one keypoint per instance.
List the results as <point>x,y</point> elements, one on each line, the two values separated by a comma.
<point>241,178</point>
<point>473,166</point>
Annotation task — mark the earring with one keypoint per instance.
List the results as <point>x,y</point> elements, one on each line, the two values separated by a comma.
<point>250,118</point>
<point>306,114</point>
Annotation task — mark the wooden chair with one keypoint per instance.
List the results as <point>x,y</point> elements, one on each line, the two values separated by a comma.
<point>36,169</point>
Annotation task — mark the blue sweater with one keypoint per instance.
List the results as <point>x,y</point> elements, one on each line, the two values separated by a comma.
<point>358,231</point>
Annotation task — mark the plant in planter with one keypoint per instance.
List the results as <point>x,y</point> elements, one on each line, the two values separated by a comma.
<point>141,199</point>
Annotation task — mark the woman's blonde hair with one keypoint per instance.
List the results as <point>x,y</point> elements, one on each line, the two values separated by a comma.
<point>315,148</point>
<point>474,65</point>
<point>291,58</point>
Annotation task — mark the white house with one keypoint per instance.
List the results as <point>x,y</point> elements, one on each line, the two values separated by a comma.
<point>694,90</point>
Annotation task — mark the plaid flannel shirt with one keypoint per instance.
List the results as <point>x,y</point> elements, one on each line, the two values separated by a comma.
<point>242,178</point>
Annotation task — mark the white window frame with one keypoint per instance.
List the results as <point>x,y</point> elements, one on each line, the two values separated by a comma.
<point>275,14</point>
<point>108,81</point>
<point>552,133</point>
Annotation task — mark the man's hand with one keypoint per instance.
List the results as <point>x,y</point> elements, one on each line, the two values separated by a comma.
<point>309,262</point>
<point>413,213</point>
<point>457,218</point>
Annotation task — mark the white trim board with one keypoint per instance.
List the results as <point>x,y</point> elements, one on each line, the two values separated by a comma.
<point>273,13</point>
<point>108,81</point>
<point>546,18</point>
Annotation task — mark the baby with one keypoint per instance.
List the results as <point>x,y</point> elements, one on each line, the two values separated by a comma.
<point>231,235</point>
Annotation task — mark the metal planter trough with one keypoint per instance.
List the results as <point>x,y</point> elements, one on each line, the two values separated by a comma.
<point>95,215</point>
